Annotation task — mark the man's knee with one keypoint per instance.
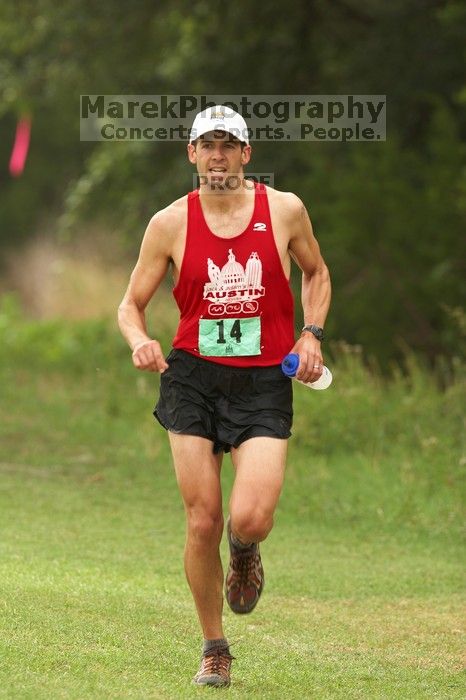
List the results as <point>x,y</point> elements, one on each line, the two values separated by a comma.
<point>251,525</point>
<point>204,525</point>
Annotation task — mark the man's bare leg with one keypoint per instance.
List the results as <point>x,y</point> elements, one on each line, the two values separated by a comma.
<point>198,475</point>
<point>260,467</point>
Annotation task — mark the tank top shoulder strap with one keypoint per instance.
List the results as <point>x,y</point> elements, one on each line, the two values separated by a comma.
<point>193,204</point>
<point>261,206</point>
<point>196,221</point>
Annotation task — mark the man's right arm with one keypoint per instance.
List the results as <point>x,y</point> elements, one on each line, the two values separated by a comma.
<point>150,269</point>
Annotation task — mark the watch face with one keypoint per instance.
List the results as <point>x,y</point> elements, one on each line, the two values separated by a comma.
<point>315,330</point>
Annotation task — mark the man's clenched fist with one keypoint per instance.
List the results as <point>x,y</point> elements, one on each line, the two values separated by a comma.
<point>148,355</point>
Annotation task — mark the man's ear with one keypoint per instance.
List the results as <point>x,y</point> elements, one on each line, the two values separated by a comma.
<point>192,155</point>
<point>246,155</point>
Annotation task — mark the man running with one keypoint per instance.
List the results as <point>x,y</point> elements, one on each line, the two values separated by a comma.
<point>229,245</point>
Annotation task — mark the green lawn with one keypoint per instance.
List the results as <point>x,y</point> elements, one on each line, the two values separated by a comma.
<point>364,569</point>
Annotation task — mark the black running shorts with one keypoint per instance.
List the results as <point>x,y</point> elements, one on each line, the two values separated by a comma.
<point>227,405</point>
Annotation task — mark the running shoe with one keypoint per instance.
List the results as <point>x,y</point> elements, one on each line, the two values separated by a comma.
<point>215,668</point>
<point>245,577</point>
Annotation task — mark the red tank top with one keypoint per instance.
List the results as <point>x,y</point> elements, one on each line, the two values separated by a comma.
<point>235,302</point>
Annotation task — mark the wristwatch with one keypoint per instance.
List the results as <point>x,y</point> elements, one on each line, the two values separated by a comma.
<point>315,330</point>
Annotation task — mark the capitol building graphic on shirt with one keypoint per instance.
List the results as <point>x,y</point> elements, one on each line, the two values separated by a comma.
<point>234,288</point>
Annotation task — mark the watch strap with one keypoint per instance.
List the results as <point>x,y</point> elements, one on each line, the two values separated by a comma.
<point>315,330</point>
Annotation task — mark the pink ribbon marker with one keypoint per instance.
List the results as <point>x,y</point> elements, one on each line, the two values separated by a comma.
<point>20,147</point>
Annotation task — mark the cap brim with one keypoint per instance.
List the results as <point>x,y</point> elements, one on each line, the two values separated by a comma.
<point>220,127</point>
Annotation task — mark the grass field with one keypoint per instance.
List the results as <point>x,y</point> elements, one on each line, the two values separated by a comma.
<point>364,591</point>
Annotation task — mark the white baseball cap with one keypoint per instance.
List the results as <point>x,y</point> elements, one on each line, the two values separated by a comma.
<point>219,118</point>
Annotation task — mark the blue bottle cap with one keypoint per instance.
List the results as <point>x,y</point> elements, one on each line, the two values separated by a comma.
<point>290,364</point>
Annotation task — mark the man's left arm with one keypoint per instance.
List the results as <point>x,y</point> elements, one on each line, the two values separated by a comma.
<point>315,293</point>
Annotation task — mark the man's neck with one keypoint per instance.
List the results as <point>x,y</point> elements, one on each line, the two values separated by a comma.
<point>223,200</point>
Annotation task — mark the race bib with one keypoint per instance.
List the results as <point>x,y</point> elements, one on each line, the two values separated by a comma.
<point>229,337</point>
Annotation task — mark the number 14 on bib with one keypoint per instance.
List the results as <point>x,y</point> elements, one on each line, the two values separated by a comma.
<point>229,337</point>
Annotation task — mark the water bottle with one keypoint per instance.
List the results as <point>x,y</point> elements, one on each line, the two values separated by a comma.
<point>290,364</point>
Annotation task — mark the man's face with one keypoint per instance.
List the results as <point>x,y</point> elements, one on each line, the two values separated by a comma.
<point>218,155</point>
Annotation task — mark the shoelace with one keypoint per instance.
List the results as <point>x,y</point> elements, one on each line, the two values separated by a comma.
<point>217,661</point>
<point>244,563</point>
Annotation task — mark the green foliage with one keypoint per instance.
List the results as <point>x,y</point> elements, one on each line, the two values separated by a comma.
<point>75,347</point>
<point>391,222</point>
<point>389,216</point>
<point>401,434</point>
<point>401,439</point>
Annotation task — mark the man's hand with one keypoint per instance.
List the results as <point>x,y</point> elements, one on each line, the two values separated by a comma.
<point>310,358</point>
<point>148,355</point>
